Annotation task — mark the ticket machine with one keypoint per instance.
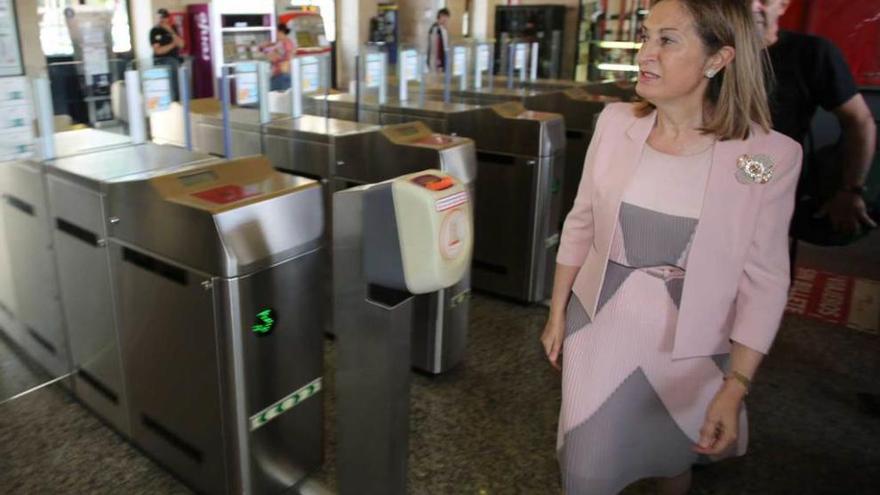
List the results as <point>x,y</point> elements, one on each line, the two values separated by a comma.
<point>520,166</point>
<point>220,271</point>
<point>391,240</point>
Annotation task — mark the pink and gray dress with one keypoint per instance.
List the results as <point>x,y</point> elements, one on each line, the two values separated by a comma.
<point>629,410</point>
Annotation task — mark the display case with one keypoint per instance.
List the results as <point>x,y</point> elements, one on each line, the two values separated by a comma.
<point>608,39</point>
<point>239,28</point>
<point>306,31</point>
<point>544,24</point>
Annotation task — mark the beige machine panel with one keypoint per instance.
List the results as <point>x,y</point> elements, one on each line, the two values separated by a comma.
<point>418,134</point>
<point>226,185</point>
<point>516,110</point>
<point>434,219</point>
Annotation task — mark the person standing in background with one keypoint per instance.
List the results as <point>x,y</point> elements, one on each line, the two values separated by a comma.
<point>166,43</point>
<point>279,54</point>
<point>438,42</point>
<point>811,72</point>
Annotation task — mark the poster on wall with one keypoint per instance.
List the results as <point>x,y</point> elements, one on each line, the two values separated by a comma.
<point>157,89</point>
<point>16,119</point>
<point>10,51</point>
<point>200,43</point>
<point>246,84</point>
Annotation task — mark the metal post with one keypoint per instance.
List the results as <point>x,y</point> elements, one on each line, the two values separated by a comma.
<point>183,83</point>
<point>490,74</point>
<point>136,124</point>
<point>373,334</point>
<point>263,91</point>
<point>447,78</point>
<point>463,78</point>
<point>45,117</point>
<point>225,101</point>
<point>383,80</point>
<point>533,70</point>
<point>296,95</point>
<point>402,81</point>
<point>357,89</point>
<point>511,65</point>
<point>420,74</point>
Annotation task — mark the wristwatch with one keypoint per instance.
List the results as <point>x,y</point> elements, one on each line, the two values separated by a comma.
<point>857,189</point>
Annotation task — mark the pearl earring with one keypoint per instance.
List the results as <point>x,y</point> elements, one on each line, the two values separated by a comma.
<point>710,73</point>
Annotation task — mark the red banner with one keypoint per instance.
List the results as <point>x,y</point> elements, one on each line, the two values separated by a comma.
<point>837,299</point>
<point>854,26</point>
<point>200,41</point>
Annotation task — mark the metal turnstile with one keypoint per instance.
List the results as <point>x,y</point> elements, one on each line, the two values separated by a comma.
<point>624,90</point>
<point>518,200</point>
<point>391,240</point>
<point>206,121</point>
<point>579,106</point>
<point>219,271</point>
<point>348,154</point>
<point>38,325</point>
<point>78,192</point>
<point>345,153</point>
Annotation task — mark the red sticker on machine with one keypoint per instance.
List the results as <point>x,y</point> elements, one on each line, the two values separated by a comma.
<point>453,234</point>
<point>452,201</point>
<point>223,195</point>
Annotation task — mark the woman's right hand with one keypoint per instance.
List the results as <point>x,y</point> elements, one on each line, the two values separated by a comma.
<point>554,333</point>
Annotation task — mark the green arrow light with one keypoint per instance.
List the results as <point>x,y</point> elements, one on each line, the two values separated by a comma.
<point>265,322</point>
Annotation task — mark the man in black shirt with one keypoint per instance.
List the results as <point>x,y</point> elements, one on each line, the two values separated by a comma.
<point>811,72</point>
<point>166,47</point>
<point>165,40</point>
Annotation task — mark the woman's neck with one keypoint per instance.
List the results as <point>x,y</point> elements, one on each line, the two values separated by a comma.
<point>677,130</point>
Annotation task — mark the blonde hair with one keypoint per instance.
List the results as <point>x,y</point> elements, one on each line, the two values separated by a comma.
<point>738,93</point>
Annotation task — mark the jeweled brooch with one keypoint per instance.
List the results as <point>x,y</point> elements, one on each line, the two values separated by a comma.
<point>756,169</point>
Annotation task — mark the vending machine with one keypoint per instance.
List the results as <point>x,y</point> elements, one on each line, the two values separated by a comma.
<point>238,29</point>
<point>306,30</point>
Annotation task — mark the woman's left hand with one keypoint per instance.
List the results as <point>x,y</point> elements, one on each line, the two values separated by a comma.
<point>721,427</point>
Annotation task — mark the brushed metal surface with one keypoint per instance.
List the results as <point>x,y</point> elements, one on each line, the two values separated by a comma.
<point>8,302</point>
<point>76,191</point>
<point>512,217</point>
<point>96,169</point>
<point>195,369</point>
<point>232,243</point>
<point>169,346</point>
<point>372,377</point>
<point>280,453</point>
<point>33,270</point>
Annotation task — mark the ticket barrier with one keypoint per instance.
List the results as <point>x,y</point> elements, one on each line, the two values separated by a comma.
<point>623,90</point>
<point>206,121</point>
<point>77,187</point>
<point>219,269</point>
<point>518,189</point>
<point>579,107</point>
<point>34,314</point>
<point>345,153</point>
<point>391,240</point>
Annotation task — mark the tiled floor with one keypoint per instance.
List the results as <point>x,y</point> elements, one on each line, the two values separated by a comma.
<point>489,426</point>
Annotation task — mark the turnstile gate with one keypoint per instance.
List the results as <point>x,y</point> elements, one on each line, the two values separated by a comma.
<point>219,271</point>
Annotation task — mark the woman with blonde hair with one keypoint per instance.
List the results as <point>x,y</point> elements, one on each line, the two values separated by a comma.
<point>672,272</point>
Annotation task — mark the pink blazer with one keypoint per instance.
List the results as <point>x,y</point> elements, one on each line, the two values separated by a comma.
<point>737,277</point>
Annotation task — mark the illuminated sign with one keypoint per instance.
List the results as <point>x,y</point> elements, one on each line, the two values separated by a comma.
<point>265,322</point>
